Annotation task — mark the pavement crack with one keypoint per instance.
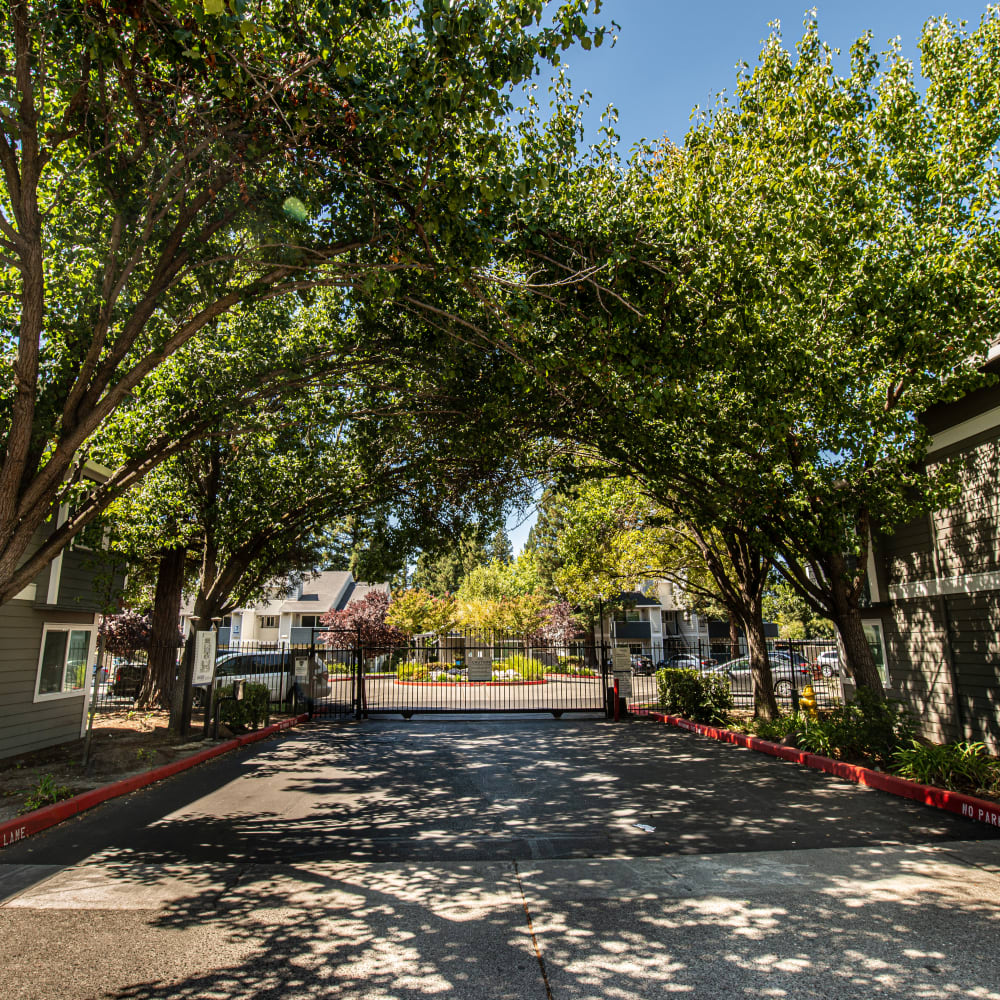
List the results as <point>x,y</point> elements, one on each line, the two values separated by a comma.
<point>531,931</point>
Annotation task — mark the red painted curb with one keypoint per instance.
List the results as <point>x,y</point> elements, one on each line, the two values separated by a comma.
<point>13,831</point>
<point>978,810</point>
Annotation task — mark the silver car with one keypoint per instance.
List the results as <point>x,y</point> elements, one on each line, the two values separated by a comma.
<point>786,676</point>
<point>828,663</point>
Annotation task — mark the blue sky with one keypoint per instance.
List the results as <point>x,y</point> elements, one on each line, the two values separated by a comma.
<point>672,56</point>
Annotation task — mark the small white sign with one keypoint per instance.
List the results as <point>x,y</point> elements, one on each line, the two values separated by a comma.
<point>621,665</point>
<point>624,684</point>
<point>204,658</point>
<point>480,666</point>
<point>302,669</point>
<point>621,660</point>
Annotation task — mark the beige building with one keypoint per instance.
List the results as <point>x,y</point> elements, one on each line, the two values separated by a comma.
<point>292,616</point>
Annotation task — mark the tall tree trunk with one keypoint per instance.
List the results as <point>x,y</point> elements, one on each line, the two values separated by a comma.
<point>163,643</point>
<point>592,656</point>
<point>860,662</point>
<point>847,617</point>
<point>764,703</point>
<point>734,636</point>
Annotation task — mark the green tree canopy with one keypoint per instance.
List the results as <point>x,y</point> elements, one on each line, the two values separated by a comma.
<point>165,163</point>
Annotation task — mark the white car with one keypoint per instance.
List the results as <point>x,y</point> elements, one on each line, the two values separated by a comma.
<point>276,670</point>
<point>828,663</point>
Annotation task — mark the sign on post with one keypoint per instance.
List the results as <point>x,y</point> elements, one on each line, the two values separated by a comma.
<point>621,666</point>
<point>301,669</point>
<point>480,666</point>
<point>204,658</point>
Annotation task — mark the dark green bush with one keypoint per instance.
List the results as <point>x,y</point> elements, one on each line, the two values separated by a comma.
<point>777,729</point>
<point>962,767</point>
<point>250,712</point>
<point>699,697</point>
<point>867,730</point>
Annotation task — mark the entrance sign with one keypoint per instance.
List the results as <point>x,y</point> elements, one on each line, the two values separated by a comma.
<point>621,665</point>
<point>204,658</point>
<point>480,666</point>
<point>621,660</point>
<point>302,669</point>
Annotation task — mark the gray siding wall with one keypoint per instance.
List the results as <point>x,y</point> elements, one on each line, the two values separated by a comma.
<point>975,640</point>
<point>86,581</point>
<point>908,554</point>
<point>956,698</point>
<point>918,667</point>
<point>969,531</point>
<point>24,725</point>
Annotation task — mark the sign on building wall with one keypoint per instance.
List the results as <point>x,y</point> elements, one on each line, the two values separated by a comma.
<point>204,657</point>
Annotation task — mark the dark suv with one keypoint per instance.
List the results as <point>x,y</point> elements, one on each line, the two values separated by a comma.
<point>642,665</point>
<point>128,680</point>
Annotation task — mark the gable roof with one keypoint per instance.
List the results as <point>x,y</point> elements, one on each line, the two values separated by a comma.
<point>358,591</point>
<point>322,593</point>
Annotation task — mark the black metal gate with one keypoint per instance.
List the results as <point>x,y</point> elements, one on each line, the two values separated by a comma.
<point>461,672</point>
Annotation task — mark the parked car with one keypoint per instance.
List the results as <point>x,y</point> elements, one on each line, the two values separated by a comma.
<point>687,661</point>
<point>128,678</point>
<point>786,676</point>
<point>276,670</point>
<point>642,665</point>
<point>792,656</point>
<point>828,663</point>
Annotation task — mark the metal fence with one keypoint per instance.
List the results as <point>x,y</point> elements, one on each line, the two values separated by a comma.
<point>119,679</point>
<point>795,665</point>
<point>339,674</point>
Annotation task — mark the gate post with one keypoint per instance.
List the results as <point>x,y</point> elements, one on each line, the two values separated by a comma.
<point>361,706</point>
<point>609,695</point>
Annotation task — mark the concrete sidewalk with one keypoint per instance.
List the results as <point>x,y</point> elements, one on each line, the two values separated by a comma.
<point>840,923</point>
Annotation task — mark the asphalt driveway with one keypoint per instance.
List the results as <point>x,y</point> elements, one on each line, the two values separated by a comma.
<point>507,858</point>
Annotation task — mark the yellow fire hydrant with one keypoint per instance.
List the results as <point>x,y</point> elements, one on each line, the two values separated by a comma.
<point>807,700</point>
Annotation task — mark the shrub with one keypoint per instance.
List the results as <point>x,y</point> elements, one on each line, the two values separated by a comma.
<point>693,695</point>
<point>867,730</point>
<point>411,670</point>
<point>251,711</point>
<point>958,766</point>
<point>571,664</point>
<point>777,729</point>
<point>526,667</point>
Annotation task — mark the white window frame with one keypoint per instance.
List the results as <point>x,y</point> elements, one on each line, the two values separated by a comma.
<point>82,692</point>
<point>264,619</point>
<point>880,629</point>
<point>75,545</point>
